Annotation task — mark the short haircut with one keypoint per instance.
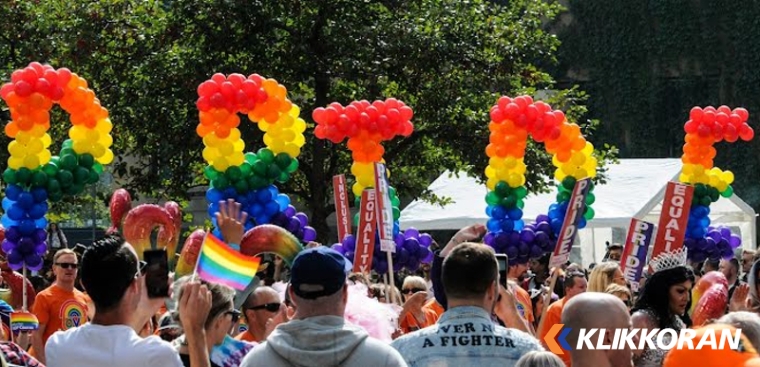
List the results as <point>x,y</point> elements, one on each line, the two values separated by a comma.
<point>414,282</point>
<point>222,300</point>
<point>64,251</point>
<point>468,271</point>
<point>748,322</point>
<point>539,359</point>
<point>570,279</point>
<point>108,269</point>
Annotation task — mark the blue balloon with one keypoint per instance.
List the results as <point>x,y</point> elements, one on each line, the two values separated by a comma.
<point>507,225</point>
<point>263,196</point>
<point>242,200</point>
<point>283,201</point>
<point>38,211</point>
<point>40,195</point>
<point>582,223</point>
<point>256,210</point>
<point>271,208</point>
<point>214,195</point>
<point>26,227</point>
<point>515,214</point>
<point>489,211</point>
<point>493,225</point>
<point>273,191</point>
<point>396,228</point>
<point>13,191</point>
<point>229,193</point>
<point>7,203</point>
<point>8,222</point>
<point>16,212</point>
<point>556,225</point>
<point>26,200</point>
<point>262,219</point>
<point>499,212</point>
<point>519,224</point>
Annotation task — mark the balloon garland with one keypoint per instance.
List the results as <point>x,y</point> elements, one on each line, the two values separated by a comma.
<point>366,126</point>
<point>33,175</point>
<point>705,128</point>
<point>249,178</point>
<point>512,121</point>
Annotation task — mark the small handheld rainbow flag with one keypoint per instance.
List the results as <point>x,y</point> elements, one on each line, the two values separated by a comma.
<point>218,263</point>
<point>24,321</point>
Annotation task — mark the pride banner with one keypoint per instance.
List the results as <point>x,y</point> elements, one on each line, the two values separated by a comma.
<point>640,235</point>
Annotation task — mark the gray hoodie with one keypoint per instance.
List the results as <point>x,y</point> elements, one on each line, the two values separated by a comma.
<point>322,341</point>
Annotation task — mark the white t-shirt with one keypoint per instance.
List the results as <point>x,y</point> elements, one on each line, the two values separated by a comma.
<point>108,346</point>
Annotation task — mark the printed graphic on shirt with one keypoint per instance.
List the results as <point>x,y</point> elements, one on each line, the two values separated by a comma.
<point>521,309</point>
<point>72,314</point>
<point>475,335</point>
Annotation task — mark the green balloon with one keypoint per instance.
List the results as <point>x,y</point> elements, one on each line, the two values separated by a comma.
<point>55,196</point>
<point>395,201</point>
<point>392,192</point>
<point>521,204</point>
<point>246,169</point>
<point>23,176</point>
<point>9,176</point>
<point>98,168</point>
<point>509,202</point>
<point>94,177</point>
<point>728,192</point>
<point>65,177</point>
<point>282,160</point>
<point>589,213</point>
<point>210,173</point>
<point>521,192</point>
<point>39,179</point>
<point>590,198</point>
<point>256,182</point>
<point>699,190</point>
<point>706,200</point>
<point>396,213</point>
<point>502,189</point>
<point>260,168</point>
<point>492,198</point>
<point>266,155</point>
<point>569,183</point>
<point>81,175</point>
<point>233,173</point>
<point>356,219</point>
<point>714,194</point>
<point>222,182</point>
<point>563,196</point>
<point>50,169</point>
<point>241,186</point>
<point>77,188</point>
<point>293,165</point>
<point>53,186</point>
<point>86,160</point>
<point>67,144</point>
<point>68,161</point>
<point>284,177</point>
<point>273,172</point>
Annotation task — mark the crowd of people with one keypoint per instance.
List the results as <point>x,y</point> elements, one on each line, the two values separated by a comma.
<point>461,310</point>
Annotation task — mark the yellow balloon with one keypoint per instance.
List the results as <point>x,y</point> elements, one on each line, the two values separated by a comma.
<point>225,149</point>
<point>238,146</point>
<point>684,178</point>
<point>277,146</point>
<point>299,126</point>
<point>299,140</point>
<point>588,149</point>
<point>515,180</point>
<point>728,177</point>
<point>578,158</point>
<point>559,175</point>
<point>81,146</point>
<point>263,125</point>
<point>31,162</point>
<point>46,140</point>
<point>104,126</point>
<point>295,111</point>
<point>44,157</point>
<point>23,137</point>
<point>366,181</point>
<point>491,183</point>
<point>15,162</point>
<point>357,189</point>
<point>35,146</point>
<point>98,150</point>
<point>292,150</point>
<point>496,162</point>
<point>106,140</point>
<point>556,162</point>
<point>237,159</point>
<point>221,164</point>
<point>490,172</point>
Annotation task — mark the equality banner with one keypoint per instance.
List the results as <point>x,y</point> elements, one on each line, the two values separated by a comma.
<point>674,217</point>
<point>341,206</point>
<point>640,235</point>
<point>365,234</point>
<point>575,209</point>
<point>384,209</point>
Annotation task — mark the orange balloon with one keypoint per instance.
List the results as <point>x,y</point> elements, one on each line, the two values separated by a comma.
<point>204,130</point>
<point>11,129</point>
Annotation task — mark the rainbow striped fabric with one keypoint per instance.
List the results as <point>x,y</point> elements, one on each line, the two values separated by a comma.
<point>24,321</point>
<point>218,263</point>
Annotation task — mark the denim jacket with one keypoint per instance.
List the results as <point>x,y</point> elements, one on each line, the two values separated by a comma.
<point>465,336</point>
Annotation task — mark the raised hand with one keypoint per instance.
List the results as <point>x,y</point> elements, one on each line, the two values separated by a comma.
<point>230,220</point>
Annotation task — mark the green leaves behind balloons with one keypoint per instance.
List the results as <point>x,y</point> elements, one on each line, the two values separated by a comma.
<point>502,189</point>
<point>210,173</point>
<point>569,183</point>
<point>265,155</point>
<point>728,192</point>
<point>39,179</point>
<point>590,198</point>
<point>23,176</point>
<point>589,214</point>
<point>9,176</point>
<point>86,160</point>
<point>492,198</point>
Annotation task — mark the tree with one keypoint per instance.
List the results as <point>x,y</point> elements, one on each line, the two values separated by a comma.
<point>449,60</point>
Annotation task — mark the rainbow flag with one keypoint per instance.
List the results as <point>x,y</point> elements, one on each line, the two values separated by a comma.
<point>24,321</point>
<point>218,263</point>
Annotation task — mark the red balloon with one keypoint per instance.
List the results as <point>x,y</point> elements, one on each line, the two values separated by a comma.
<point>318,115</point>
<point>512,111</point>
<point>503,102</point>
<point>550,119</point>
<point>522,102</point>
<point>721,118</point>
<point>521,121</point>
<point>23,89</point>
<point>496,114</point>
<point>236,79</point>
<point>559,116</point>
<point>353,113</point>
<point>392,103</point>
<point>64,76</point>
<point>543,107</point>
<point>696,114</point>
<point>724,109</point>
<point>746,133</point>
<point>42,86</point>
<point>16,76</point>
<point>709,117</point>
<point>6,89</point>
<point>394,116</point>
<point>373,113</point>
<point>219,78</point>
<point>408,129</point>
<point>217,100</point>
<point>379,105</point>
<point>256,78</point>
<point>531,112</point>
<point>228,90</point>
<point>734,119</point>
<point>51,76</point>
<point>406,113</point>
<point>337,107</point>
<point>319,131</point>
<point>203,104</point>
<point>38,68</point>
<point>704,131</point>
<point>690,127</point>
<point>250,88</point>
<point>709,109</point>
<point>29,75</point>
<point>743,113</point>
<point>331,115</point>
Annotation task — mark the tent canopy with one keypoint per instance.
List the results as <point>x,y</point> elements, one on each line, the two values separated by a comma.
<point>634,188</point>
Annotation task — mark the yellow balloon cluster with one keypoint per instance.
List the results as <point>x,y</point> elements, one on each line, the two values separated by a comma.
<point>715,177</point>
<point>365,176</point>
<point>263,100</point>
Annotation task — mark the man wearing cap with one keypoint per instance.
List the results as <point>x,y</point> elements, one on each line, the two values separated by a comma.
<point>318,334</point>
<point>466,334</point>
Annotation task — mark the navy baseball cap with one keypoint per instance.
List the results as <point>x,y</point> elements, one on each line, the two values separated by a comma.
<point>318,272</point>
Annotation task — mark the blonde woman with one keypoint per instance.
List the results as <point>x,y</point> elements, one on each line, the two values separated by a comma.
<point>413,315</point>
<point>540,359</point>
<point>620,291</point>
<point>603,275</point>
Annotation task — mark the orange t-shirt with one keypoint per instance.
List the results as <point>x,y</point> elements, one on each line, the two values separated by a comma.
<point>410,323</point>
<point>59,309</point>
<point>524,304</point>
<point>554,316</point>
<point>246,337</point>
<point>436,307</point>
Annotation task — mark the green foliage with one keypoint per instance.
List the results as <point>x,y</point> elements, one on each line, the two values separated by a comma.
<point>448,59</point>
<point>647,64</point>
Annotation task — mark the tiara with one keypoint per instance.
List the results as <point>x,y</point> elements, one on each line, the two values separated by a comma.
<point>669,259</point>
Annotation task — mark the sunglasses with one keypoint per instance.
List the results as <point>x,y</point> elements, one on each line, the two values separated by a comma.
<point>235,315</point>
<point>271,307</point>
<point>412,290</point>
<point>68,265</point>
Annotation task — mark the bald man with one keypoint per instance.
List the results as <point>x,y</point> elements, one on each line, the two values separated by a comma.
<point>602,311</point>
<point>261,305</point>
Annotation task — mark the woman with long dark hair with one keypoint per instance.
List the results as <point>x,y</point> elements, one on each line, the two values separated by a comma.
<point>663,302</point>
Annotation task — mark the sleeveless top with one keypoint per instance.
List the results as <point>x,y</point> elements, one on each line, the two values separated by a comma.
<point>654,357</point>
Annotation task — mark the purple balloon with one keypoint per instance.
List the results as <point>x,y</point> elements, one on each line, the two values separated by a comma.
<point>524,249</point>
<point>536,251</point>
<point>426,240</point>
<point>423,253</point>
<point>725,232</point>
<point>514,238</point>
<point>527,235</point>
<point>488,239</point>
<point>543,227</point>
<point>294,225</point>
<point>542,237</point>
<point>349,242</point>
<point>511,252</point>
<point>735,241</point>
<point>399,239</point>
<point>715,235</point>
<point>25,246</point>
<point>403,256</point>
<point>411,233</point>
<point>40,249</point>
<point>697,256</point>
<point>33,261</point>
<point>7,246</point>
<point>349,255</point>
<point>13,234</point>
<point>303,219</point>
<point>339,248</point>
<point>542,218</point>
<point>397,267</point>
<point>15,260</point>
<point>309,234</point>
<point>501,241</point>
<point>428,256</point>
<point>381,267</point>
<point>412,245</point>
<point>290,211</point>
<point>413,264</point>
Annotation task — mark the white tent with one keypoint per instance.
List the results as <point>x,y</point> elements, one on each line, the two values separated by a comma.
<point>635,188</point>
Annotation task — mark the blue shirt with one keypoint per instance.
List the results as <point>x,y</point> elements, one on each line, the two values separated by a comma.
<point>465,336</point>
